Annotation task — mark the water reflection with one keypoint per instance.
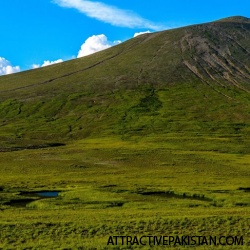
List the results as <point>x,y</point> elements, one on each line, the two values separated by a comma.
<point>31,196</point>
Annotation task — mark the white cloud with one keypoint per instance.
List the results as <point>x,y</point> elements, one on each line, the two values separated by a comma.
<point>140,33</point>
<point>35,66</point>
<point>46,63</point>
<point>7,68</point>
<point>109,14</point>
<point>91,45</point>
<point>94,44</point>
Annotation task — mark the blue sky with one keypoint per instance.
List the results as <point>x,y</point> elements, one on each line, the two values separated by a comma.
<point>36,33</point>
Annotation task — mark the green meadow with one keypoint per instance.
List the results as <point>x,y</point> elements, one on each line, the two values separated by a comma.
<point>113,187</point>
<point>148,138</point>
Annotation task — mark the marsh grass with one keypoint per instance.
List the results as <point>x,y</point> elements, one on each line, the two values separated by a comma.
<point>102,183</point>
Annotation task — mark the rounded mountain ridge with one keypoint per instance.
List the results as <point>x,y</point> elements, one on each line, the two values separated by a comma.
<point>238,19</point>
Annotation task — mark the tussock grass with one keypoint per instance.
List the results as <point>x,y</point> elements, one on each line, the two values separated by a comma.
<point>102,184</point>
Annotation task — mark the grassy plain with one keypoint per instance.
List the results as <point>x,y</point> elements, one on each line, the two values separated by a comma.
<point>114,187</point>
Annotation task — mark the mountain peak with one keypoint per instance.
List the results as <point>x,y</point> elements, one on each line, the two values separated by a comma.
<point>235,19</point>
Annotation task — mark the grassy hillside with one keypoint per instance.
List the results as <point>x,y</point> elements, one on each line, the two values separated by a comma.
<point>150,137</point>
<point>193,79</point>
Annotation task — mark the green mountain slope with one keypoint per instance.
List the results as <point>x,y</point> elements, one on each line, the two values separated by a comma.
<point>187,82</point>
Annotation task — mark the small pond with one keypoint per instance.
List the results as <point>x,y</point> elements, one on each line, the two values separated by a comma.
<point>41,194</point>
<point>31,196</point>
<point>49,194</point>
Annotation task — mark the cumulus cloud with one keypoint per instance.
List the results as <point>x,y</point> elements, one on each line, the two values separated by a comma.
<point>91,45</point>
<point>140,33</point>
<point>94,44</point>
<point>35,66</point>
<point>46,63</point>
<point>7,68</point>
<point>109,14</point>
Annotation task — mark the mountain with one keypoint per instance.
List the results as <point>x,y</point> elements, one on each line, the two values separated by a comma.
<point>192,81</point>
